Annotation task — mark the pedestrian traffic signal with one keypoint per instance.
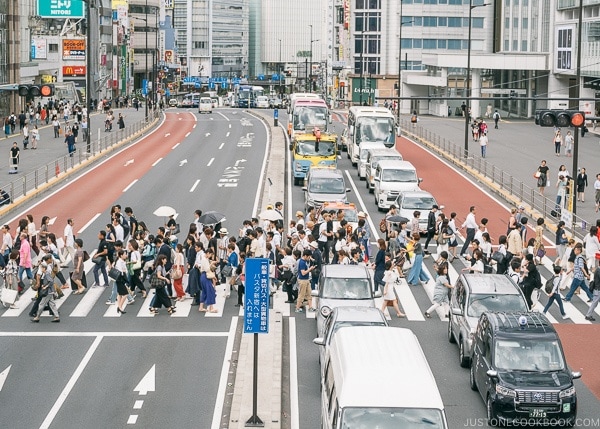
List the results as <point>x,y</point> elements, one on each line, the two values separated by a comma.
<point>559,118</point>
<point>31,91</point>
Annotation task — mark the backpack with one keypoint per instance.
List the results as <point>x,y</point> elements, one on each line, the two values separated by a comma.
<point>383,225</point>
<point>538,280</point>
<point>549,285</point>
<point>125,226</point>
<point>496,115</point>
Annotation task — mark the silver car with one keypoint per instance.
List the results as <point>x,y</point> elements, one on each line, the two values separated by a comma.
<point>343,317</point>
<point>324,184</point>
<point>342,286</point>
<point>411,201</point>
<point>472,295</point>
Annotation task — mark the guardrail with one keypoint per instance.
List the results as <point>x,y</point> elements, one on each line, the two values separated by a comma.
<point>498,180</point>
<point>31,181</point>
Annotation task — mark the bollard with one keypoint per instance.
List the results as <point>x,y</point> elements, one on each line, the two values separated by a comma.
<point>275,117</point>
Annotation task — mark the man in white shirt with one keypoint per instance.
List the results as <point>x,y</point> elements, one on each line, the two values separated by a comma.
<point>69,238</point>
<point>119,232</point>
<point>471,225</point>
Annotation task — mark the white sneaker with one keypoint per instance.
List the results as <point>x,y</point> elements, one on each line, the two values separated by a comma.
<point>109,302</point>
<point>566,316</point>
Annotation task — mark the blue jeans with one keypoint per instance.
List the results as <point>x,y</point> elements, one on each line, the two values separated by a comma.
<point>576,284</point>
<point>416,272</point>
<point>100,267</point>
<point>27,271</point>
<point>555,297</point>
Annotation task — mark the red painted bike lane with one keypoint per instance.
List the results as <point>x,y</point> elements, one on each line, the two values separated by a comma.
<point>90,193</point>
<point>457,194</point>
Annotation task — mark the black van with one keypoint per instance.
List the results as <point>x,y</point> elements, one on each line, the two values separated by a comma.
<point>519,369</point>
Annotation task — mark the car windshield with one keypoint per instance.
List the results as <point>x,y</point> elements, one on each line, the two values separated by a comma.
<point>479,303</point>
<point>340,325</point>
<point>310,115</point>
<point>394,175</point>
<point>344,288</point>
<point>308,148</point>
<point>375,130</point>
<point>528,355</point>
<point>392,418</point>
<point>350,215</point>
<point>326,185</point>
<point>418,203</point>
<point>376,158</point>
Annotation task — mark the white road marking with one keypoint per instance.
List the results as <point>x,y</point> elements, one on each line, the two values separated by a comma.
<point>210,162</point>
<point>130,161</point>
<point>193,188</point>
<point>229,125</point>
<point>130,185</point>
<point>147,383</point>
<point>408,302</point>
<point>221,146</point>
<point>207,134</point>
<point>71,383</point>
<point>112,334</point>
<point>168,134</point>
<point>176,144</point>
<point>362,204</point>
<point>220,302</point>
<point>183,162</point>
<point>228,133</point>
<point>138,404</point>
<point>187,135</point>
<point>294,408</point>
<point>218,410</point>
<point>3,376</point>
<point>132,419</point>
<point>156,162</point>
<point>145,309</point>
<point>194,126</point>
<point>183,308</point>
<point>91,221</point>
<point>87,302</point>
<point>226,118</point>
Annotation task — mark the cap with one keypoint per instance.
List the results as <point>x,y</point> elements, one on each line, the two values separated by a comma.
<point>314,244</point>
<point>223,231</point>
<point>521,207</point>
<point>362,214</point>
<point>299,214</point>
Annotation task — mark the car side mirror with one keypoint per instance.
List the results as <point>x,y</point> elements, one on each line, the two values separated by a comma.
<point>376,179</point>
<point>314,293</point>
<point>319,341</point>
<point>457,311</point>
<point>492,373</point>
<point>576,374</point>
<point>347,189</point>
<point>304,188</point>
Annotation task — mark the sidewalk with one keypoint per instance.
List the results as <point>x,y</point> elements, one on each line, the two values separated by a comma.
<point>270,352</point>
<point>50,148</point>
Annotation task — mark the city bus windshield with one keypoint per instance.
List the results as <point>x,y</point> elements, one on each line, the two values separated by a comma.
<point>310,116</point>
<point>375,130</point>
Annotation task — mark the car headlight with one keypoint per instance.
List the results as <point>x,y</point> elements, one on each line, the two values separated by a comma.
<point>567,392</point>
<point>504,391</point>
<point>325,311</point>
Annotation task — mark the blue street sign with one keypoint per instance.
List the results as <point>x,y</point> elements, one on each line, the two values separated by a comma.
<point>275,77</point>
<point>224,85</point>
<point>211,85</point>
<point>261,77</point>
<point>256,299</point>
<point>145,86</point>
<point>275,113</point>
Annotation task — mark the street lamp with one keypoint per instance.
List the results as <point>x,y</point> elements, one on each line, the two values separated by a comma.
<point>468,82</point>
<point>146,61</point>
<point>280,67</point>
<point>88,78</point>
<point>362,48</point>
<point>400,65</point>
<point>311,57</point>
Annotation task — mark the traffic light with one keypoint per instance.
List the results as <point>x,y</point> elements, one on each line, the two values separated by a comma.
<point>559,118</point>
<point>30,91</point>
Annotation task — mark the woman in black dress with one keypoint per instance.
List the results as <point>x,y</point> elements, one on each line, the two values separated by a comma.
<point>161,298</point>
<point>582,183</point>
<point>542,176</point>
<point>122,290</point>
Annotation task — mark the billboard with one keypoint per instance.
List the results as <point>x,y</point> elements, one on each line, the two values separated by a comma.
<point>73,71</point>
<point>39,48</point>
<point>60,8</point>
<point>74,49</point>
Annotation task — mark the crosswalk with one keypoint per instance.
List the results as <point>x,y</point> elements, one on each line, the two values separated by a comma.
<point>413,301</point>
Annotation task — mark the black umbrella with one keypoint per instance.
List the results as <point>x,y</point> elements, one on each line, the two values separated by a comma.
<point>397,219</point>
<point>211,218</point>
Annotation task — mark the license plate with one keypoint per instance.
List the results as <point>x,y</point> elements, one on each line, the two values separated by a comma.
<point>536,413</point>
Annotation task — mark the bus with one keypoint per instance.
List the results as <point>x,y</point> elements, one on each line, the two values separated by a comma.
<point>213,95</point>
<point>307,153</point>
<point>190,100</point>
<point>369,124</point>
<point>242,96</point>
<point>308,113</point>
<point>257,91</point>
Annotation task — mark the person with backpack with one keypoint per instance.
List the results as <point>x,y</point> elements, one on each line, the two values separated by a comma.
<point>580,273</point>
<point>552,289</point>
<point>531,280</point>
<point>496,117</point>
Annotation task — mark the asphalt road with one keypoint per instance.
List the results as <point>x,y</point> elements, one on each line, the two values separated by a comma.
<point>93,361</point>
<point>464,408</point>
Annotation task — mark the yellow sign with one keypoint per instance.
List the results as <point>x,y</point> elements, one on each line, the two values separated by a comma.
<point>48,78</point>
<point>116,3</point>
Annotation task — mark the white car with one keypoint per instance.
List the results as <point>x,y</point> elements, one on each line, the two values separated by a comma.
<point>262,102</point>
<point>205,105</point>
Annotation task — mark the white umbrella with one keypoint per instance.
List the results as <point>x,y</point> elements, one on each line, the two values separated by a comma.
<point>165,211</point>
<point>270,214</point>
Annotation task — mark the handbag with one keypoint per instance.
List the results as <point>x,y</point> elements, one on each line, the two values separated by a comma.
<point>176,272</point>
<point>227,270</point>
<point>536,175</point>
<point>114,274</point>
<point>540,253</point>
<point>97,260</point>
<point>86,256</point>
<point>156,283</point>
<point>498,256</point>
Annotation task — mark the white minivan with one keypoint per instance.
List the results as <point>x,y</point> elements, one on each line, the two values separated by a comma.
<point>364,149</point>
<point>393,177</point>
<point>378,377</point>
<point>205,105</point>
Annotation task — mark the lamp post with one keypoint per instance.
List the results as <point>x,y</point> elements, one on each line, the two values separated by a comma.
<point>468,82</point>
<point>577,95</point>
<point>311,58</point>
<point>362,48</point>
<point>280,67</point>
<point>88,78</point>
<point>400,66</point>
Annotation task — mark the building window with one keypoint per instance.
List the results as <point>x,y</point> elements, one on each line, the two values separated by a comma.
<point>515,45</point>
<point>442,21</point>
<point>374,4</point>
<point>199,45</point>
<point>441,43</point>
<point>506,23</point>
<point>339,15</point>
<point>429,43</point>
<point>53,47</point>
<point>359,22</point>
<point>375,22</point>
<point>418,21</point>
<point>459,2</point>
<point>454,22</point>
<point>417,43</point>
<point>429,1</point>
<point>407,43</point>
<point>525,23</point>
<point>429,21</point>
<point>454,44</point>
<point>524,46</point>
<point>477,23</point>
<point>373,45</point>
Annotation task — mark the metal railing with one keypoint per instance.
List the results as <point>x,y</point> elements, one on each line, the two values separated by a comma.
<point>498,180</point>
<point>55,170</point>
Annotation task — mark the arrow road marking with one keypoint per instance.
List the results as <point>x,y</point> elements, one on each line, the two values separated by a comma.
<point>167,135</point>
<point>3,376</point>
<point>147,383</point>
<point>239,161</point>
<point>207,134</point>
<point>182,162</point>
<point>128,163</point>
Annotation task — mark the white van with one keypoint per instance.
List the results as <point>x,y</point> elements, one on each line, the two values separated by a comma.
<point>205,105</point>
<point>373,158</point>
<point>391,178</point>
<point>378,377</point>
<point>365,147</point>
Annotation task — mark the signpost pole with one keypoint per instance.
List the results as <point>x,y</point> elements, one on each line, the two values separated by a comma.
<point>255,421</point>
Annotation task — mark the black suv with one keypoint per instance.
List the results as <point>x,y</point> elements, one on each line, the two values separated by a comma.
<point>520,371</point>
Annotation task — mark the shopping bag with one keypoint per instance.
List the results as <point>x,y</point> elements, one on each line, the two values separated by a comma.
<point>8,296</point>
